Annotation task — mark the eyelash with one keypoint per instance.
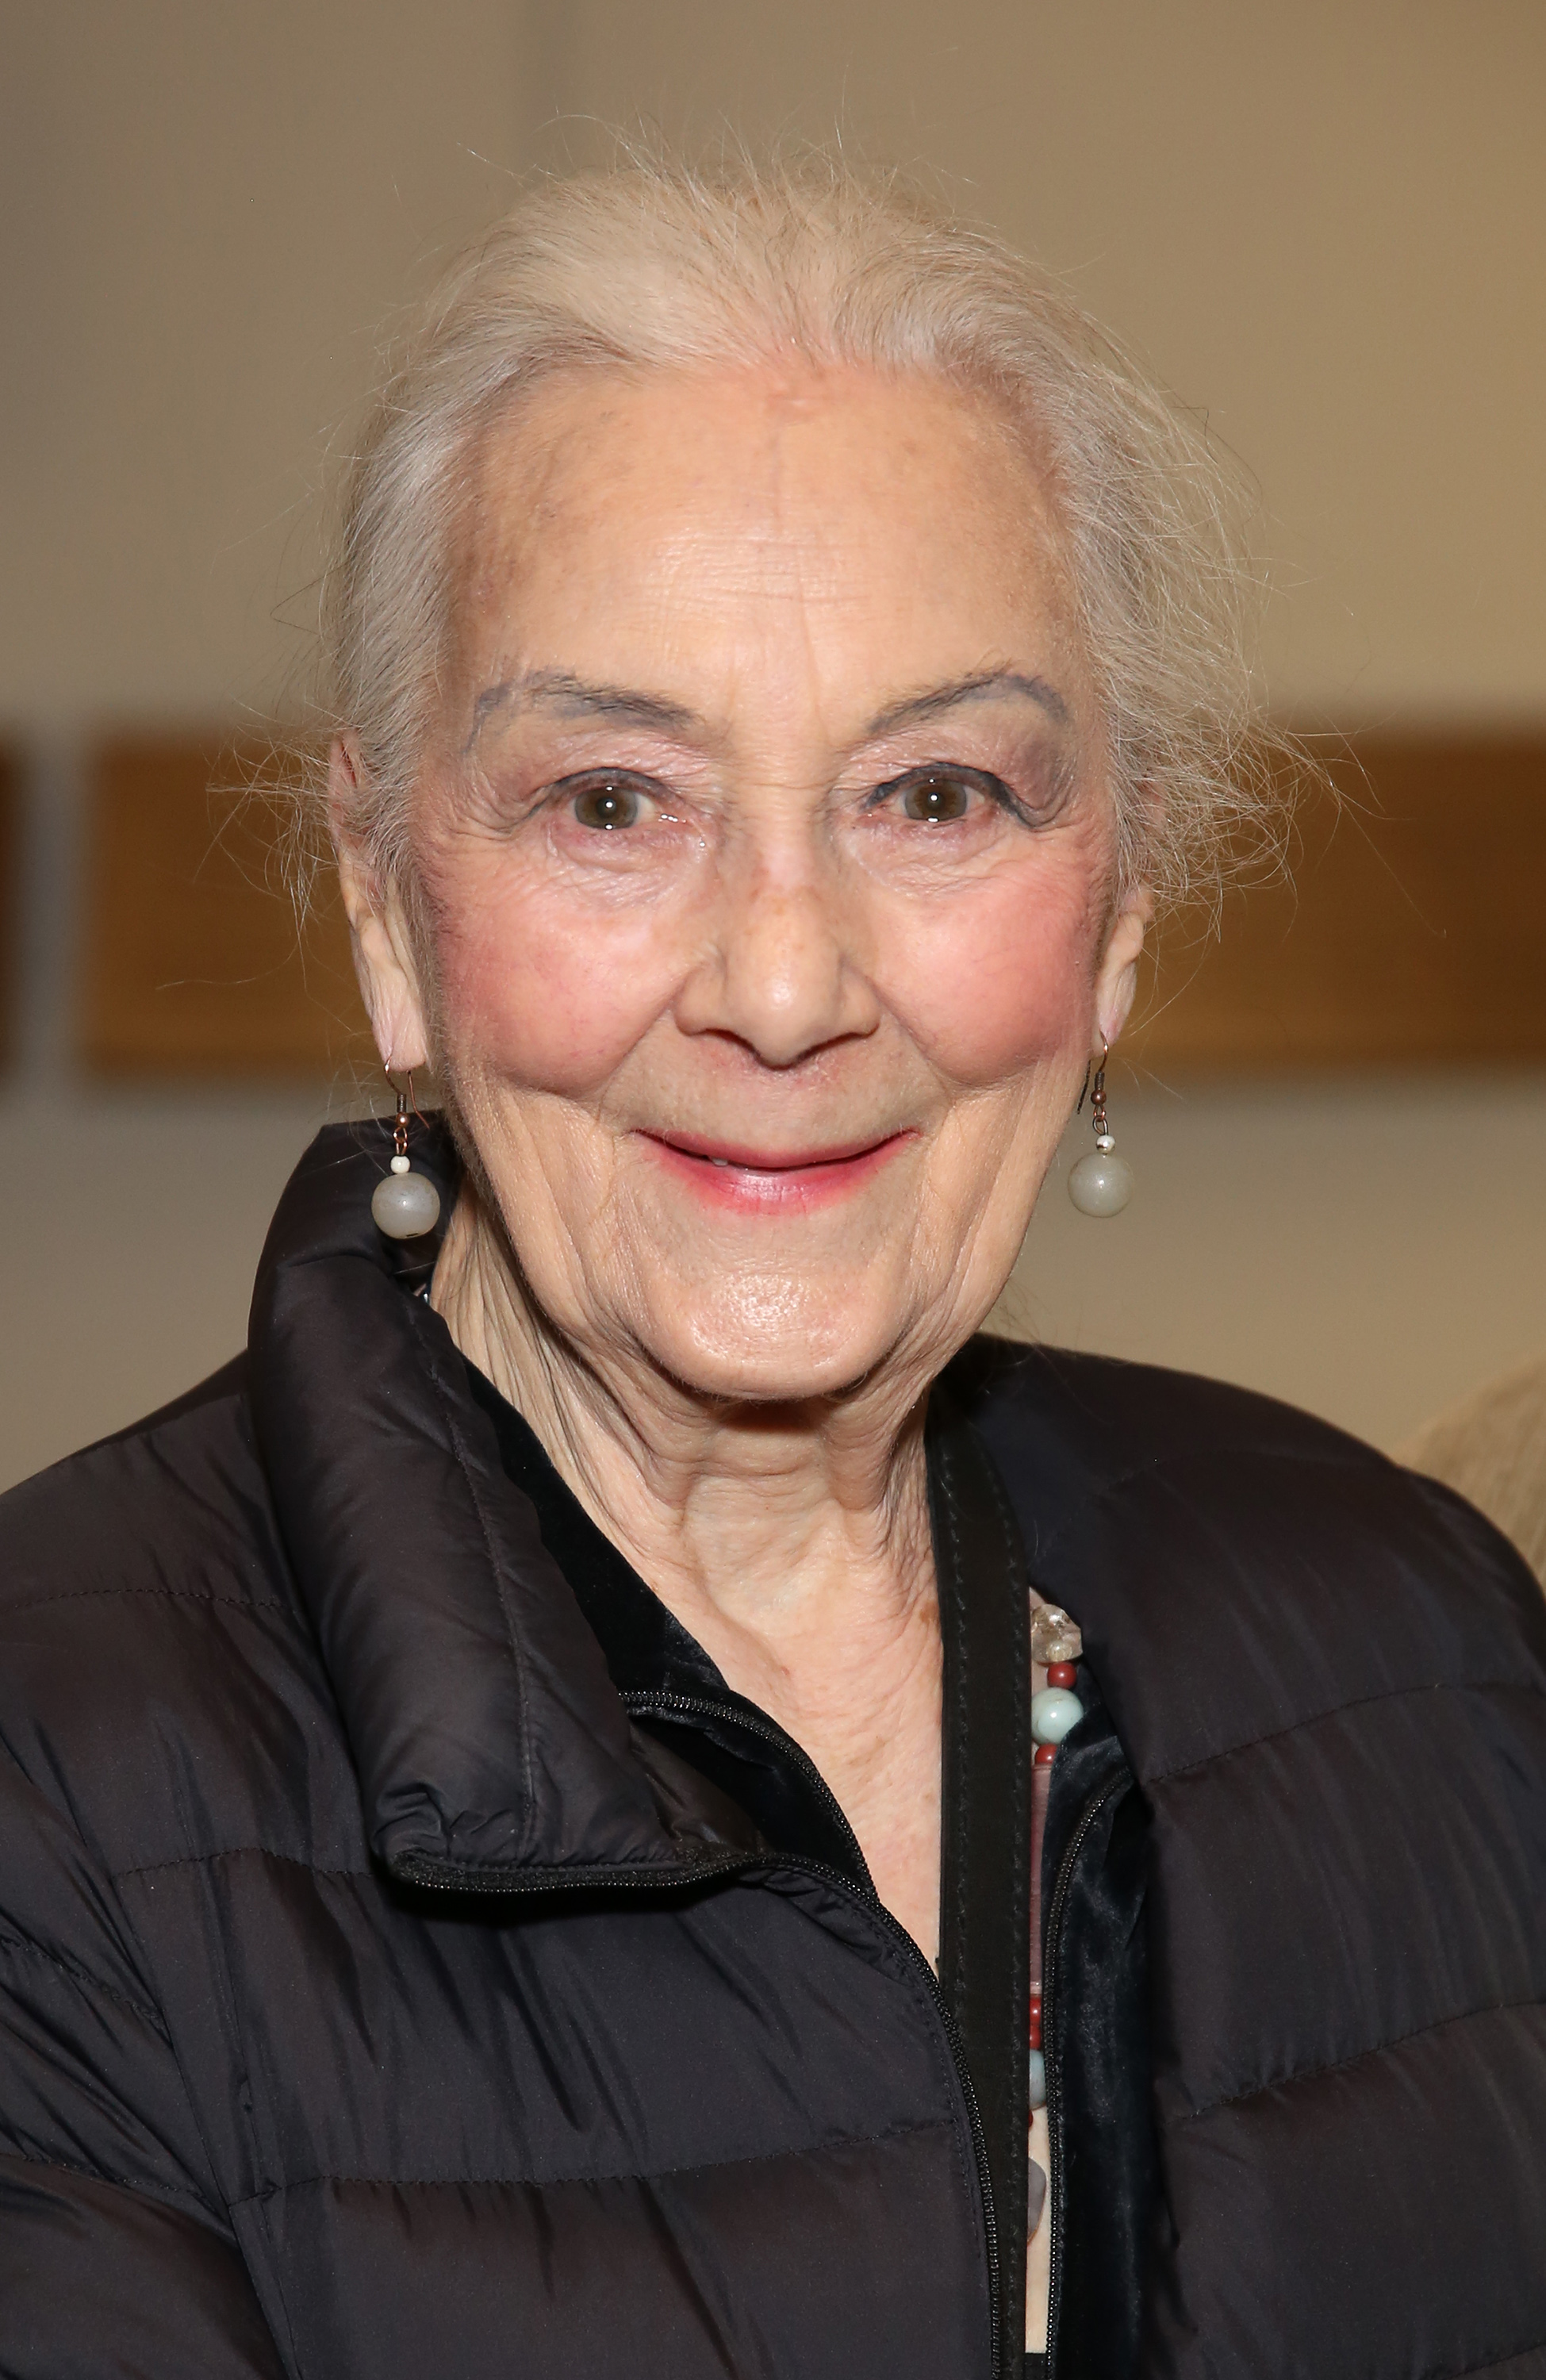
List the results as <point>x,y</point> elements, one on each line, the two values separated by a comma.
<point>981,781</point>
<point>568,790</point>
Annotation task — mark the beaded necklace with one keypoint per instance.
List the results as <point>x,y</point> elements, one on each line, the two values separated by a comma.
<point>1055,1646</point>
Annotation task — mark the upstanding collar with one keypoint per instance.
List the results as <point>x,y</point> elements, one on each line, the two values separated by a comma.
<point>489,1741</point>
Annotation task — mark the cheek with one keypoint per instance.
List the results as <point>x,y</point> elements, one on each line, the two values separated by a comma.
<point>538,996</point>
<point>1000,978</point>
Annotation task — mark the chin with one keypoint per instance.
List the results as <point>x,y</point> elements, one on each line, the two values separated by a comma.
<point>782,1347</point>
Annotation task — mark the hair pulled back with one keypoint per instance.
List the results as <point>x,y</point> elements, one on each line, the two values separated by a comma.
<point>656,266</point>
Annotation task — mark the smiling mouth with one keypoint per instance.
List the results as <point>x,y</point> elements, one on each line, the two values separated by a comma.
<point>735,1174</point>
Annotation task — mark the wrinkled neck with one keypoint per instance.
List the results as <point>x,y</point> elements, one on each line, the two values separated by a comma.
<point>788,1524</point>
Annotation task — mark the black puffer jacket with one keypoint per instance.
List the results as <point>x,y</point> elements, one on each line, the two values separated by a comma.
<point>415,1962</point>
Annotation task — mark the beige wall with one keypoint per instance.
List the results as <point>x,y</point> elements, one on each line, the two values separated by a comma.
<point>1327,223</point>
<point>208,210</point>
<point>1326,220</point>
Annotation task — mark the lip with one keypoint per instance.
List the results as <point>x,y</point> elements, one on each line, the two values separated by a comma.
<point>761,1182</point>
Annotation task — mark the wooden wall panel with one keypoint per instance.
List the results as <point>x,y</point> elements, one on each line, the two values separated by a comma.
<point>193,964</point>
<point>1410,935</point>
<point>10,898</point>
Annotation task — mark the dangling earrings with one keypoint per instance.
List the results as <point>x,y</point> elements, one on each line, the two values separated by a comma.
<point>1100,1183</point>
<point>405,1204</point>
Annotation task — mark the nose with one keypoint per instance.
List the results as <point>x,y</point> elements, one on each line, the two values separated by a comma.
<point>781,974</point>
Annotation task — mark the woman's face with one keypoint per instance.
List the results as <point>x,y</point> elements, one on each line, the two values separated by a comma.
<point>768,853</point>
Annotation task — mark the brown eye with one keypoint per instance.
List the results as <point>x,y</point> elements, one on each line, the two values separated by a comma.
<point>607,805</point>
<point>935,801</point>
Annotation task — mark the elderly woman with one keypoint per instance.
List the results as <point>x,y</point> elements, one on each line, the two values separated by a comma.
<point>622,1794</point>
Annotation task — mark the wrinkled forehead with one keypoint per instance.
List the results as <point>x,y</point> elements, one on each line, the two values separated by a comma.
<point>833,535</point>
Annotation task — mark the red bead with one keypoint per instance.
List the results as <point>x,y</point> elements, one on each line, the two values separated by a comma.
<point>1061,1673</point>
<point>1035,2033</point>
<point>1046,1754</point>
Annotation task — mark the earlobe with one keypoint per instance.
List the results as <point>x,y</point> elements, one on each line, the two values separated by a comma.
<point>384,965</point>
<point>389,987</point>
<point>1117,983</point>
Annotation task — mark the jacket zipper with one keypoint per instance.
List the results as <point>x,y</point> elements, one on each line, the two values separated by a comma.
<point>420,1869</point>
<point>691,1705</point>
<point>1053,1932</point>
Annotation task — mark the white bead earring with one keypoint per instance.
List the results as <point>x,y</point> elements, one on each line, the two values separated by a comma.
<point>404,1203</point>
<point>1101,1183</point>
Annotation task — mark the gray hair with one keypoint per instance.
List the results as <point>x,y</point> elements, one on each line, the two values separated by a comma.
<point>657,266</point>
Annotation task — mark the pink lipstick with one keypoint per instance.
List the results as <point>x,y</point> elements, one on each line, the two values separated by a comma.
<point>761,1182</point>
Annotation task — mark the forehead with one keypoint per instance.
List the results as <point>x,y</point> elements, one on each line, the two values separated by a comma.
<point>720,524</point>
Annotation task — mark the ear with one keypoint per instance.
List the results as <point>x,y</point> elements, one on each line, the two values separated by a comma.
<point>1117,979</point>
<point>384,955</point>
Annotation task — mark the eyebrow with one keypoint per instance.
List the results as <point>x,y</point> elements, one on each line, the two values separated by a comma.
<point>572,698</point>
<point>986,688</point>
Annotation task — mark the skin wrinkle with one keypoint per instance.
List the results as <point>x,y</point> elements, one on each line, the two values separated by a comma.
<point>569,696</point>
<point>934,700</point>
<point>819,586</point>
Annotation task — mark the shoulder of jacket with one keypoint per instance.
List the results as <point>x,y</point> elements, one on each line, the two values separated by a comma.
<point>1120,1415</point>
<point>168,1504</point>
<point>154,1653</point>
<point>1068,1430</point>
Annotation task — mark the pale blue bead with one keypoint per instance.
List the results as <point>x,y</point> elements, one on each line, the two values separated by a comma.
<point>1053,1712</point>
<point>1037,2078</point>
<point>406,1206</point>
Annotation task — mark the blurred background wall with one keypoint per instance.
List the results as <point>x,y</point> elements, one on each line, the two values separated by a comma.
<point>1324,222</point>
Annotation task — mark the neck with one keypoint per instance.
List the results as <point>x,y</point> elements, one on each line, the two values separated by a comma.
<point>791,1540</point>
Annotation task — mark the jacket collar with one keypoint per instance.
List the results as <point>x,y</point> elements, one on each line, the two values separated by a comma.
<point>490,1744</point>
<point>648,1651</point>
<point>493,1749</point>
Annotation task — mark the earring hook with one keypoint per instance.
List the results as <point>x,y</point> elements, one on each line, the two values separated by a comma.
<point>404,1098</point>
<point>1095,1075</point>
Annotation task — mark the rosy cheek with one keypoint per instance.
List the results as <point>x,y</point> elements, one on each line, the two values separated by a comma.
<point>992,982</point>
<point>542,997</point>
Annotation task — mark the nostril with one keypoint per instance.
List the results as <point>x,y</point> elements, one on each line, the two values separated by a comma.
<point>780,977</point>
